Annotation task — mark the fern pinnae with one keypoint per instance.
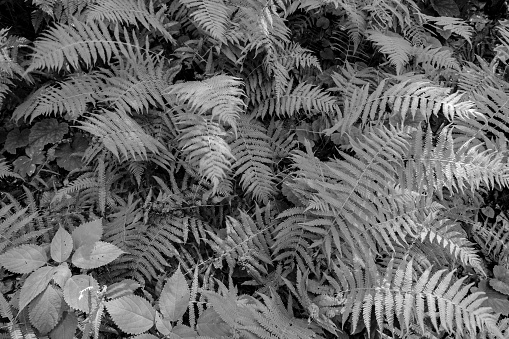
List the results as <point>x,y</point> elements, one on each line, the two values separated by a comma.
<point>130,12</point>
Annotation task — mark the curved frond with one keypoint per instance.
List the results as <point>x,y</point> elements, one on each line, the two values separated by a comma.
<point>130,12</point>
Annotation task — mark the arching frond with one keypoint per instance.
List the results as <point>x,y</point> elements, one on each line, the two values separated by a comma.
<point>121,135</point>
<point>220,95</point>
<point>130,12</point>
<point>211,15</point>
<point>80,45</point>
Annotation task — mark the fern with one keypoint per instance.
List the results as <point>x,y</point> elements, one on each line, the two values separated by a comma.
<point>247,242</point>
<point>79,44</point>
<point>306,97</point>
<point>15,227</point>
<point>219,95</point>
<point>398,293</point>
<point>130,12</point>
<point>121,135</point>
<point>253,162</point>
<point>210,15</point>
<point>204,147</point>
<point>5,171</point>
<point>395,46</point>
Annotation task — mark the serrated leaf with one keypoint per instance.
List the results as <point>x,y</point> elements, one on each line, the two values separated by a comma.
<point>88,232</point>
<point>95,255</point>
<point>16,139</point>
<point>125,287</point>
<point>174,297</point>
<point>184,331</point>
<point>80,291</point>
<point>66,328</point>
<point>45,310</point>
<point>210,324</point>
<point>35,284</point>
<point>47,131</point>
<point>61,245</point>
<point>163,325</point>
<point>131,313</point>
<point>62,273</point>
<point>24,259</point>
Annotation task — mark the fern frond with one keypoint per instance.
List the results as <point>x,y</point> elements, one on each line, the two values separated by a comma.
<point>437,58</point>
<point>78,44</point>
<point>252,151</point>
<point>16,224</point>
<point>121,135</point>
<point>203,146</point>
<point>493,238</point>
<point>220,95</point>
<point>129,12</point>
<point>247,242</point>
<point>306,97</point>
<point>431,168</point>
<point>5,170</point>
<point>455,25</point>
<point>344,198</point>
<point>416,100</point>
<point>211,15</point>
<point>68,98</point>
<point>398,293</point>
<point>138,87</point>
<point>397,48</point>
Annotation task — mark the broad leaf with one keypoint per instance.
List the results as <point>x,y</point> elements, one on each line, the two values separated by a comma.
<point>45,310</point>
<point>35,284</point>
<point>80,291</point>
<point>174,297</point>
<point>163,325</point>
<point>95,255</point>
<point>210,324</point>
<point>16,139</point>
<point>62,273</point>
<point>501,273</point>
<point>66,328</point>
<point>24,258</point>
<point>69,156</point>
<point>26,165</point>
<point>47,131</point>
<point>131,313</point>
<point>88,232</point>
<point>499,286</point>
<point>61,245</point>
<point>125,287</point>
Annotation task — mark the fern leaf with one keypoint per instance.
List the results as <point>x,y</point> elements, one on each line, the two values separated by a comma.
<point>304,96</point>
<point>211,15</point>
<point>395,46</point>
<point>203,145</point>
<point>221,95</point>
<point>5,170</point>
<point>129,12</point>
<point>79,44</point>
<point>253,162</point>
<point>121,135</point>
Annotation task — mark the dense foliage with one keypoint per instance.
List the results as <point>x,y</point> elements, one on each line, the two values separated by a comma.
<point>254,169</point>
